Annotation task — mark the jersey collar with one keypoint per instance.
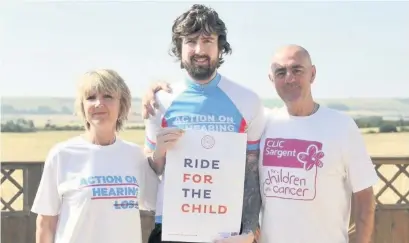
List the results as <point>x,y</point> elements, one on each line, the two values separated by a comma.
<point>212,84</point>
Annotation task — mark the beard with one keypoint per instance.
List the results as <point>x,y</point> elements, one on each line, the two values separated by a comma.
<point>200,71</point>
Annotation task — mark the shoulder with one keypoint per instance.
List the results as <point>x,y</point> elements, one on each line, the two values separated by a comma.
<point>237,91</point>
<point>276,114</point>
<point>66,149</point>
<point>245,100</point>
<point>341,120</point>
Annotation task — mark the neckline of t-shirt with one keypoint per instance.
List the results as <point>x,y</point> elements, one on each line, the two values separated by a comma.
<point>306,117</point>
<point>97,146</point>
<point>214,83</point>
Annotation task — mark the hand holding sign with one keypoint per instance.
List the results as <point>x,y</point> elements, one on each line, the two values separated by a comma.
<point>166,139</point>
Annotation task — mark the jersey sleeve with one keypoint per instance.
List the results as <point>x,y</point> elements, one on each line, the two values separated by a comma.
<point>48,200</point>
<point>256,127</point>
<point>148,186</point>
<point>360,169</point>
<point>152,127</point>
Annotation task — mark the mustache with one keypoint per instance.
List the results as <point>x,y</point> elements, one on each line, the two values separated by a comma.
<point>198,56</point>
<point>294,84</point>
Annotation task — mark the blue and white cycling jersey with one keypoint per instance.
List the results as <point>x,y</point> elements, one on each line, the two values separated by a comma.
<point>221,105</point>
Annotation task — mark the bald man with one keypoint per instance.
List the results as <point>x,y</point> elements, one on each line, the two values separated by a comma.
<point>312,160</point>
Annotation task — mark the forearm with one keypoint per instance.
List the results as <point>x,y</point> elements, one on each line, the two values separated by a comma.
<point>45,230</point>
<point>364,221</point>
<point>252,197</point>
<point>157,163</point>
<point>44,236</point>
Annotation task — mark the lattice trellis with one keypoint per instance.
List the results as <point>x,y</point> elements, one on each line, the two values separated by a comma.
<point>7,176</point>
<point>402,193</point>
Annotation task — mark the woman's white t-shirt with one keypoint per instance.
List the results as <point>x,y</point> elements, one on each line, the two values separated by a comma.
<point>96,191</point>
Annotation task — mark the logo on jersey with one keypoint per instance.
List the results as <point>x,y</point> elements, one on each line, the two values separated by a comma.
<point>208,142</point>
<point>290,168</point>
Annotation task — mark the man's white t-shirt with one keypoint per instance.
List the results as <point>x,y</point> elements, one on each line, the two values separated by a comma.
<point>96,191</point>
<point>309,168</point>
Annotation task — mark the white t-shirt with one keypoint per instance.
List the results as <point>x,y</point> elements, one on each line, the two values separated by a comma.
<point>97,191</point>
<point>309,168</point>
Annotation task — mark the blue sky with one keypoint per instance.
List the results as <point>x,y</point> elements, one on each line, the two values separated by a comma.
<point>360,48</point>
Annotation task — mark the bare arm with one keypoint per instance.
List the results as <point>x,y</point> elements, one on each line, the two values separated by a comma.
<point>45,228</point>
<point>252,197</point>
<point>157,163</point>
<point>364,214</point>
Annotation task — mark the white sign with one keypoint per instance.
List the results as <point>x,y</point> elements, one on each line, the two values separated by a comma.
<point>204,186</point>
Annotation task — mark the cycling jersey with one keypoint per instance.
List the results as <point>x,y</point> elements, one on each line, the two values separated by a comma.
<point>221,105</point>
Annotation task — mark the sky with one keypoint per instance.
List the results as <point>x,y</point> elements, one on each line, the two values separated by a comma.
<point>360,49</point>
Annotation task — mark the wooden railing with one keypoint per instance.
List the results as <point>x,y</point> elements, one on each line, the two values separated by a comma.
<point>20,182</point>
<point>393,189</point>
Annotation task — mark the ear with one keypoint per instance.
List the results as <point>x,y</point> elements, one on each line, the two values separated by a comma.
<point>313,74</point>
<point>270,77</point>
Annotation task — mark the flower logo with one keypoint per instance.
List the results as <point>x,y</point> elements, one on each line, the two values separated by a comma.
<point>311,157</point>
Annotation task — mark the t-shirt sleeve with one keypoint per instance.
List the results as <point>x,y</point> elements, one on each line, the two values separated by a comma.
<point>148,186</point>
<point>360,169</point>
<point>48,200</point>
<point>256,127</point>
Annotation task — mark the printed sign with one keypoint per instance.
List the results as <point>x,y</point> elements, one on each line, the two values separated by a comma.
<point>203,186</point>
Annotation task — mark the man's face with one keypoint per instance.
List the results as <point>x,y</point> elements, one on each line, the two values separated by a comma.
<point>292,74</point>
<point>200,55</point>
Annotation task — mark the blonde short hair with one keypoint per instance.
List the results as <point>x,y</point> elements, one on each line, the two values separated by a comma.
<point>103,81</point>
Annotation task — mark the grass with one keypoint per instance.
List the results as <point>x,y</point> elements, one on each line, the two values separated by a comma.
<point>35,146</point>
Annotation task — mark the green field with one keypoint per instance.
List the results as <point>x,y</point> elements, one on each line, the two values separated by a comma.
<point>35,146</point>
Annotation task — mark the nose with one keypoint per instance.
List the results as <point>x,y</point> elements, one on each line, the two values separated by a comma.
<point>199,48</point>
<point>99,101</point>
<point>289,77</point>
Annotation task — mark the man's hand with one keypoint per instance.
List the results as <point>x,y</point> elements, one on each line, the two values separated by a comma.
<point>149,102</point>
<point>243,238</point>
<point>166,139</point>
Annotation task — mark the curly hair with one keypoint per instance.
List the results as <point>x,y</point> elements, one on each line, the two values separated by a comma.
<point>199,19</point>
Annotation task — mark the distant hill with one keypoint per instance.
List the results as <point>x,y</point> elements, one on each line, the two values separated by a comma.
<point>386,107</point>
<point>49,106</point>
<point>44,105</point>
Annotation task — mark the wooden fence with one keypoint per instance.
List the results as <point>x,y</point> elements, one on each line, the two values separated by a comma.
<point>391,193</point>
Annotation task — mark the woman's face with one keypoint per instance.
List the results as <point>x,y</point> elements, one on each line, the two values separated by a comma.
<point>102,110</point>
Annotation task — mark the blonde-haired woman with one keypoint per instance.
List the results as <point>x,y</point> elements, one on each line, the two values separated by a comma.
<point>94,184</point>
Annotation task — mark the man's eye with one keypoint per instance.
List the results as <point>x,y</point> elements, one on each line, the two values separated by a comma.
<point>280,74</point>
